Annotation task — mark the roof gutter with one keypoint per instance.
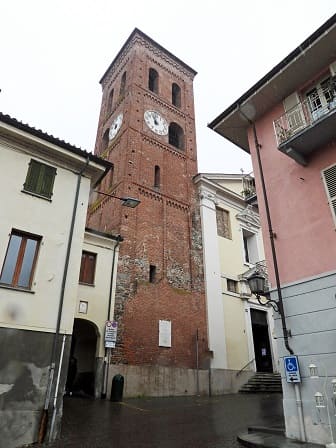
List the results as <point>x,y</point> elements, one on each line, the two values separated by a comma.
<point>301,49</point>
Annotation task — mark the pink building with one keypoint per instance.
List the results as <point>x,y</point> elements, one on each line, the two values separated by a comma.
<point>287,122</point>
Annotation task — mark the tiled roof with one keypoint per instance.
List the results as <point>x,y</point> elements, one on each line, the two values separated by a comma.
<point>51,139</point>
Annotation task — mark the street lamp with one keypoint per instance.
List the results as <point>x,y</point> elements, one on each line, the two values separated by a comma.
<point>257,284</point>
<point>126,202</point>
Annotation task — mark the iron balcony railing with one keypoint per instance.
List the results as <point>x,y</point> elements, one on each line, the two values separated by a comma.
<point>249,188</point>
<point>300,117</point>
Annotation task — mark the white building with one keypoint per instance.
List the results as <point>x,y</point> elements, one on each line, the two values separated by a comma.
<point>239,328</point>
<point>45,185</point>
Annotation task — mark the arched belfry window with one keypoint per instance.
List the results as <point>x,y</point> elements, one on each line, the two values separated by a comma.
<point>157,176</point>
<point>110,101</point>
<point>176,95</point>
<point>176,136</point>
<point>105,140</point>
<point>153,80</point>
<point>122,86</point>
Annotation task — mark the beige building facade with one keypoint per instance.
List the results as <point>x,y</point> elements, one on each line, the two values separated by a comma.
<point>240,329</point>
<point>45,185</point>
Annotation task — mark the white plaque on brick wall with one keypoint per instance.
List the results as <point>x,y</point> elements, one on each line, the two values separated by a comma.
<point>164,333</point>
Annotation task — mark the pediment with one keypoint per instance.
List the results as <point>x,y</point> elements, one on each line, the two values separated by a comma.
<point>249,217</point>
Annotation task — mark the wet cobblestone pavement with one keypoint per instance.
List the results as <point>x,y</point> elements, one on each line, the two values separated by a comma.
<point>179,422</point>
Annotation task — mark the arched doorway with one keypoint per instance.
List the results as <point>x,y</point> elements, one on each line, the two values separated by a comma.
<point>82,362</point>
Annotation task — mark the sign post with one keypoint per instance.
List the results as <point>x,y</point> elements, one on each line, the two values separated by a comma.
<point>111,329</point>
<point>292,369</point>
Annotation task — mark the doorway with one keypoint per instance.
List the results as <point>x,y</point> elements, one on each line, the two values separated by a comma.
<point>82,362</point>
<point>261,341</point>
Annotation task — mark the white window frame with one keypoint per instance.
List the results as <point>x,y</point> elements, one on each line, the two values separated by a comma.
<point>252,235</point>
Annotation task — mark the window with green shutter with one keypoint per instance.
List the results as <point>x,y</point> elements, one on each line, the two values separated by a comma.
<point>40,179</point>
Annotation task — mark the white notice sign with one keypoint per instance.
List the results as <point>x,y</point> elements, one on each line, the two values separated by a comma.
<point>111,329</point>
<point>164,333</point>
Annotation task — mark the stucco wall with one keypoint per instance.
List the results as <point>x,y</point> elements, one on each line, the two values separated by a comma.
<point>24,368</point>
<point>97,296</point>
<point>298,205</point>
<point>160,381</point>
<point>38,309</point>
<point>311,316</point>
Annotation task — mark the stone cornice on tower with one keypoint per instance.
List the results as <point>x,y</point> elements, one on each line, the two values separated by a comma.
<point>137,37</point>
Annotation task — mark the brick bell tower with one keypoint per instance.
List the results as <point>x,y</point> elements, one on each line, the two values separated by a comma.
<point>147,130</point>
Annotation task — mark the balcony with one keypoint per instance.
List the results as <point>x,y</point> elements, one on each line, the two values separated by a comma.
<point>249,189</point>
<point>306,127</point>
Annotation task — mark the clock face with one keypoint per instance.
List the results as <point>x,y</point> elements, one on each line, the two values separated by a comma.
<point>156,122</point>
<point>115,126</point>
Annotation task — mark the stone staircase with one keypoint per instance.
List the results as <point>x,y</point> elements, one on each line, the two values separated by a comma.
<point>263,383</point>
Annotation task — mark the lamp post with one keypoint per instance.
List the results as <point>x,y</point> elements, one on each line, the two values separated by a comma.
<point>126,201</point>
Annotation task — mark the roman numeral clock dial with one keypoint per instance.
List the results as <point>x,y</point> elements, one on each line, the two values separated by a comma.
<point>156,122</point>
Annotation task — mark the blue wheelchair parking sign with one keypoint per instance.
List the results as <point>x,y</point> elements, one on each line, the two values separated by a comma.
<point>292,369</point>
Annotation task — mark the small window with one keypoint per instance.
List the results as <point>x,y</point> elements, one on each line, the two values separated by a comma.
<point>153,80</point>
<point>176,136</point>
<point>232,285</point>
<point>88,268</point>
<point>157,176</point>
<point>250,246</point>
<point>223,223</point>
<point>122,86</point>
<point>110,102</point>
<point>40,179</point>
<point>176,95</point>
<point>20,260</point>
<point>152,273</point>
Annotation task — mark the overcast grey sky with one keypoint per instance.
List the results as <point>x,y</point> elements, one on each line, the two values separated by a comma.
<point>53,54</point>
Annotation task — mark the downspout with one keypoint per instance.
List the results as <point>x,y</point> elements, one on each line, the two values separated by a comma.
<point>108,350</point>
<point>277,279</point>
<point>271,236</point>
<point>44,419</point>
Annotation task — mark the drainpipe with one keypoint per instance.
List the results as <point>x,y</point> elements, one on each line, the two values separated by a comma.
<point>108,350</point>
<point>44,420</point>
<point>271,236</point>
<point>278,285</point>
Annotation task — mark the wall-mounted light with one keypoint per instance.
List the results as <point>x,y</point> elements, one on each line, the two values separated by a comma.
<point>319,400</point>
<point>333,383</point>
<point>257,284</point>
<point>313,371</point>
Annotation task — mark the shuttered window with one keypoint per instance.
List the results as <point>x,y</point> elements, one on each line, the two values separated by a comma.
<point>40,179</point>
<point>329,180</point>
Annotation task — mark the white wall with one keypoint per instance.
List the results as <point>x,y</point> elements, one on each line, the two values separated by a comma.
<point>37,309</point>
<point>212,270</point>
<point>98,295</point>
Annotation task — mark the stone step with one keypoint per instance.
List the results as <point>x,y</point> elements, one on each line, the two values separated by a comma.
<point>263,382</point>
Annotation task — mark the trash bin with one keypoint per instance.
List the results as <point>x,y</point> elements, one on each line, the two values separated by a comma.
<point>117,388</point>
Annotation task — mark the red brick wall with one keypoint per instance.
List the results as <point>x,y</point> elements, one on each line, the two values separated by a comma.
<point>164,230</point>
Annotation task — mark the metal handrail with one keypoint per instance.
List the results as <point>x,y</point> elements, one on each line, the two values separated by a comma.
<point>300,117</point>
<point>240,371</point>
